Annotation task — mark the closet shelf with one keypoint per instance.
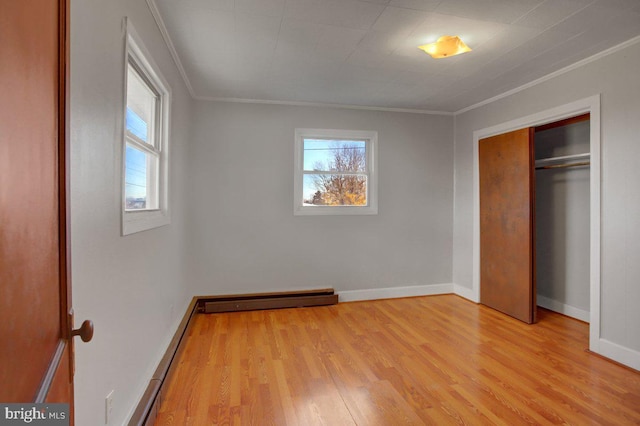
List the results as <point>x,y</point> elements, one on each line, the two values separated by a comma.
<point>557,161</point>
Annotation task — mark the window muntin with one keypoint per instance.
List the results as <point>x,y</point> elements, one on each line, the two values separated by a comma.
<point>335,172</point>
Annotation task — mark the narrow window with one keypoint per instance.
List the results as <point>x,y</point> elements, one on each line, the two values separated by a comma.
<point>335,172</point>
<point>146,141</point>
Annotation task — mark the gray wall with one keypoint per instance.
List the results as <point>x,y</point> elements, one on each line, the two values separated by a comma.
<point>133,287</point>
<point>245,238</point>
<point>562,222</point>
<point>616,78</point>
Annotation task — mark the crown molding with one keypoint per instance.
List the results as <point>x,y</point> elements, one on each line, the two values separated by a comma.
<point>321,104</point>
<point>153,7</point>
<point>552,75</point>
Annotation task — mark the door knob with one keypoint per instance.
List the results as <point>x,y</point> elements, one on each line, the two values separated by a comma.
<point>85,331</point>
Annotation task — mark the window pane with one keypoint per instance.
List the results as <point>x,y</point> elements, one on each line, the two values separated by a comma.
<point>139,180</point>
<point>334,155</point>
<point>141,107</point>
<point>136,125</point>
<point>334,190</point>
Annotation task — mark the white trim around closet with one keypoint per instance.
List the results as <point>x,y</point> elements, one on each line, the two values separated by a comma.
<point>588,105</point>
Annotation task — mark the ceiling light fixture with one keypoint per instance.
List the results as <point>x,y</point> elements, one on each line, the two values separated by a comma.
<point>445,46</point>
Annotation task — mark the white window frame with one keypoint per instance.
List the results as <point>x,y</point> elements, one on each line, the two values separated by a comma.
<point>142,220</point>
<point>371,139</point>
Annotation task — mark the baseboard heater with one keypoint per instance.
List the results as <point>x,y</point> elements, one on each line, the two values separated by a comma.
<point>258,301</point>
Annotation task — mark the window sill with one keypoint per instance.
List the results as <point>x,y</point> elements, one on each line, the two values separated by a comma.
<point>138,221</point>
<point>334,211</point>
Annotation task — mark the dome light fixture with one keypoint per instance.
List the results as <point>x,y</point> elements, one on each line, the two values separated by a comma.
<point>445,46</point>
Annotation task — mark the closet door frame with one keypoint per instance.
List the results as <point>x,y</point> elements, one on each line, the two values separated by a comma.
<point>589,105</point>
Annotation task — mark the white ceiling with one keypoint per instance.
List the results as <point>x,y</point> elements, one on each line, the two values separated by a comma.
<point>364,53</point>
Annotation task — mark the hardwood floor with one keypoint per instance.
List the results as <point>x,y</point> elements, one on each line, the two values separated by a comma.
<point>427,360</point>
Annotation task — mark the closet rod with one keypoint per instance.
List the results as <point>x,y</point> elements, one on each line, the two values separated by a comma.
<point>563,159</point>
<point>563,166</point>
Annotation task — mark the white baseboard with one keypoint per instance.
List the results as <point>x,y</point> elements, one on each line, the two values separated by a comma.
<point>465,292</point>
<point>564,309</point>
<point>394,292</point>
<point>618,353</point>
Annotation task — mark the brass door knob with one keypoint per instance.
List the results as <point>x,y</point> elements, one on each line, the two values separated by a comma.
<point>85,331</point>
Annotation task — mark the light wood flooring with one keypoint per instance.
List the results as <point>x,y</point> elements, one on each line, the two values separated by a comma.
<point>434,360</point>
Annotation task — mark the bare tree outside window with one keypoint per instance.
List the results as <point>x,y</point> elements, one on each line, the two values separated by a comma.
<point>341,173</point>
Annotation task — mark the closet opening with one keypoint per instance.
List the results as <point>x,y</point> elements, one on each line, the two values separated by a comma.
<point>563,299</point>
<point>562,216</point>
<point>534,192</point>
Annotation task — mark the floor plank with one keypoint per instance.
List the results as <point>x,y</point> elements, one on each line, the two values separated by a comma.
<point>422,360</point>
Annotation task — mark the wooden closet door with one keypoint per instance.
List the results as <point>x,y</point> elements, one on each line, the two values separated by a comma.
<point>507,261</point>
<point>36,354</point>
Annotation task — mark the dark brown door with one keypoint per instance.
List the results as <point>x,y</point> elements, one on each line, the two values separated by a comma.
<point>507,174</point>
<point>36,355</point>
